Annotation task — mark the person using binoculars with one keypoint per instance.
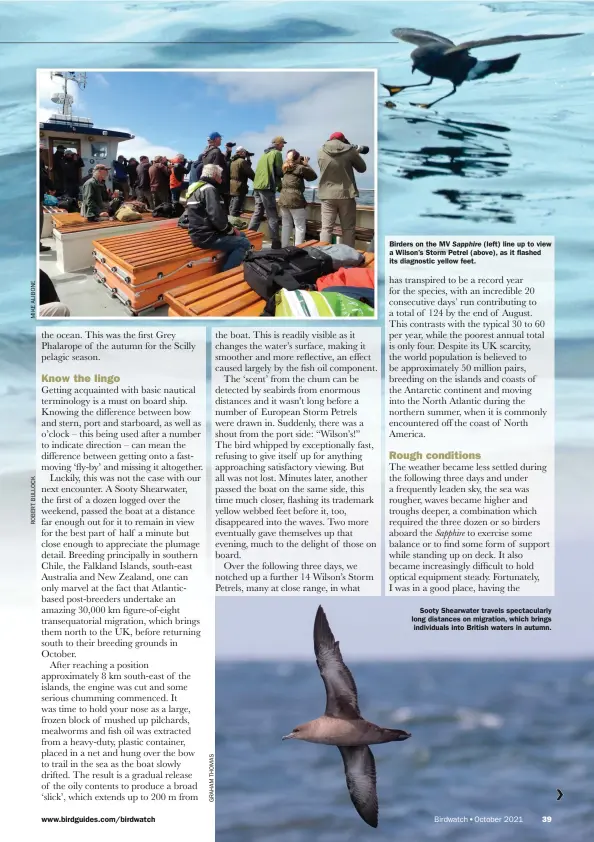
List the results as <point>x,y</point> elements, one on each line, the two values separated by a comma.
<point>213,155</point>
<point>337,190</point>
<point>296,171</point>
<point>120,177</point>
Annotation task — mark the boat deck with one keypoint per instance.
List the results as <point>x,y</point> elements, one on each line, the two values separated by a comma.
<point>85,297</point>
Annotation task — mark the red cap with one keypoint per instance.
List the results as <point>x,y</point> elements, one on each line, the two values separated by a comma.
<point>338,136</point>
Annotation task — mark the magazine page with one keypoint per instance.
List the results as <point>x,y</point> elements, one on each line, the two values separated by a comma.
<point>297,420</point>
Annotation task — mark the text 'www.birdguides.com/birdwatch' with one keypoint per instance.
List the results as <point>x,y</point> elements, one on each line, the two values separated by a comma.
<point>314,349</point>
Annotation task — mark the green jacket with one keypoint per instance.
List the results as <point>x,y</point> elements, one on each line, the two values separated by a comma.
<point>269,170</point>
<point>92,198</point>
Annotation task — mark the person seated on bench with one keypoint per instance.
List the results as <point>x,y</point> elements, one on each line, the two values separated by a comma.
<point>93,195</point>
<point>208,225</point>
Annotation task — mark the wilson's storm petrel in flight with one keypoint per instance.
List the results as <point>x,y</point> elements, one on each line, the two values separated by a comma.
<point>342,724</point>
<point>438,57</point>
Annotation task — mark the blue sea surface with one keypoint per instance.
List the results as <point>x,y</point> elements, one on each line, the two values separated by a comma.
<point>488,739</point>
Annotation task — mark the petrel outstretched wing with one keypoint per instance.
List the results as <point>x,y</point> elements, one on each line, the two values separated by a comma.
<point>506,39</point>
<point>359,768</point>
<point>420,37</point>
<point>341,690</point>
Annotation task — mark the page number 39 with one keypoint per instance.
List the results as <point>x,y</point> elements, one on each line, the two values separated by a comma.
<point>547,818</point>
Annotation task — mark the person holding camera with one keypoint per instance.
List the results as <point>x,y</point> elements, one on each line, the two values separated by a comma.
<point>72,165</point>
<point>296,171</point>
<point>267,178</point>
<point>131,168</point>
<point>180,167</point>
<point>143,181</point>
<point>159,181</point>
<point>213,155</point>
<point>337,187</point>
<point>241,172</point>
<point>120,178</point>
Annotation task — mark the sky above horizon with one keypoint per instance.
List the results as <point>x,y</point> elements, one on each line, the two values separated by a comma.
<point>172,112</point>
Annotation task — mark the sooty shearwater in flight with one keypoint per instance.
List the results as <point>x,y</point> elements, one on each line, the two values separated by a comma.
<point>438,57</point>
<point>342,724</point>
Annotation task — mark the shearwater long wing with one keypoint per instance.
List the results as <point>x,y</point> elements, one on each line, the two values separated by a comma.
<point>420,37</point>
<point>506,39</point>
<point>341,690</point>
<point>359,768</point>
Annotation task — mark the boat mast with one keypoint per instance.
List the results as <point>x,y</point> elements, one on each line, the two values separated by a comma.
<point>65,99</point>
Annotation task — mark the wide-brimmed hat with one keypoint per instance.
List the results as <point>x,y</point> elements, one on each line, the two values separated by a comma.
<point>276,140</point>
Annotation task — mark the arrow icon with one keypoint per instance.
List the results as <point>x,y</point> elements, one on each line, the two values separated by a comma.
<point>560,795</point>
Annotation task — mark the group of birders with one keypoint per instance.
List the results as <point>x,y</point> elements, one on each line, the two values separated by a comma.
<point>216,184</point>
<point>219,183</point>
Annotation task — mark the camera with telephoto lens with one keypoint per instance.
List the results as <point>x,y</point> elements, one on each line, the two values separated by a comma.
<point>362,150</point>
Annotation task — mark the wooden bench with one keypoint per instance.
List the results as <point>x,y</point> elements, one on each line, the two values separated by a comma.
<point>49,212</point>
<point>76,222</point>
<point>139,269</point>
<point>225,294</point>
<point>75,236</point>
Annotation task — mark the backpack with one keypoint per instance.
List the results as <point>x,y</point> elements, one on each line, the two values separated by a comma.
<point>69,205</point>
<point>126,214</point>
<point>342,256</point>
<point>168,210</point>
<point>114,206</point>
<point>271,270</point>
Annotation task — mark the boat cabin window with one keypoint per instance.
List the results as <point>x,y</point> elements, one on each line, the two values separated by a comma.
<point>68,147</point>
<point>99,150</point>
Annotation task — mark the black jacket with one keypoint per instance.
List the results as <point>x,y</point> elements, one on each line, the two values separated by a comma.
<point>181,170</point>
<point>132,174</point>
<point>142,173</point>
<point>207,216</point>
<point>45,182</point>
<point>71,168</point>
<point>213,155</point>
<point>47,291</point>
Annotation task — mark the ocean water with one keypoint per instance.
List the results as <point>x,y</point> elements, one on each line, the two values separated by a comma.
<point>488,739</point>
<point>365,197</point>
